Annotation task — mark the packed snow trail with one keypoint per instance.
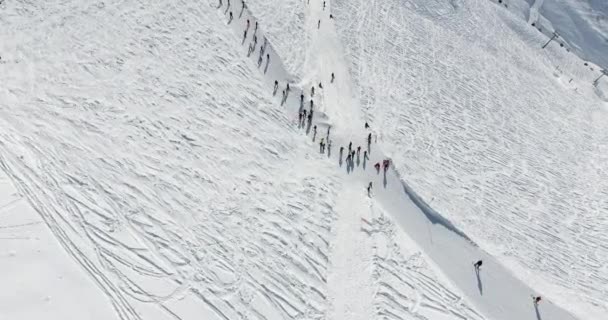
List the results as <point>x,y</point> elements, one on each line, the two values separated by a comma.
<point>496,292</point>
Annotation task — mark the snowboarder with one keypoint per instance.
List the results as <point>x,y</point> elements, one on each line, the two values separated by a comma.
<point>333,77</point>
<point>477,265</point>
<point>536,300</point>
<point>377,166</point>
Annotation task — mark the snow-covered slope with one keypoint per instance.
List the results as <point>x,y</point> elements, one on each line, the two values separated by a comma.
<point>582,24</point>
<point>151,146</point>
<point>153,143</point>
<point>477,117</point>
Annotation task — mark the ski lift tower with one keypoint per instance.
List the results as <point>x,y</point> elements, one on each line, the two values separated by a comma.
<point>604,73</point>
<point>555,35</point>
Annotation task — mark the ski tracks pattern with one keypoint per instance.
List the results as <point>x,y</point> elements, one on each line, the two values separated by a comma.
<point>156,171</point>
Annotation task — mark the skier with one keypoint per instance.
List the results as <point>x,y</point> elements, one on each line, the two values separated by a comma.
<point>341,149</point>
<point>350,146</point>
<point>315,129</point>
<point>536,300</point>
<point>319,24</point>
<point>309,116</point>
<point>385,163</point>
<point>267,57</point>
<point>332,77</point>
<point>377,166</point>
<point>320,85</point>
<point>300,117</point>
<point>311,104</point>
<point>256,27</point>
<point>247,24</point>
<point>477,265</point>
<point>321,145</point>
<point>364,154</point>
<point>328,128</point>
<point>369,188</point>
<point>358,150</point>
<point>352,154</point>
<point>366,125</point>
<point>230,15</point>
<point>301,98</point>
<point>331,16</point>
<point>287,87</point>
<point>323,5</point>
<point>369,138</point>
<point>312,91</point>
<point>304,113</point>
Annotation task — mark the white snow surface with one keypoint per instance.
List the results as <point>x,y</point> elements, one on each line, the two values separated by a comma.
<point>150,142</point>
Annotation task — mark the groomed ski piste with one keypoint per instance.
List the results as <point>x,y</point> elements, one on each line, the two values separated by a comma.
<point>151,141</point>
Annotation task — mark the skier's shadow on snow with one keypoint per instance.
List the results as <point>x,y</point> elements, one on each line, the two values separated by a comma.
<point>242,9</point>
<point>479,284</point>
<point>538,317</point>
<point>384,182</point>
<point>267,64</point>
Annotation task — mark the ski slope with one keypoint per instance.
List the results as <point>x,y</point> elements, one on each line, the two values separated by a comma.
<point>149,140</point>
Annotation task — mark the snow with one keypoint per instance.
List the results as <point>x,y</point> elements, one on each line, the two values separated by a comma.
<point>477,117</point>
<point>582,24</point>
<point>178,185</point>
<point>39,279</point>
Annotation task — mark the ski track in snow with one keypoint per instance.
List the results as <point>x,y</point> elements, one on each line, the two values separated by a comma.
<point>515,157</point>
